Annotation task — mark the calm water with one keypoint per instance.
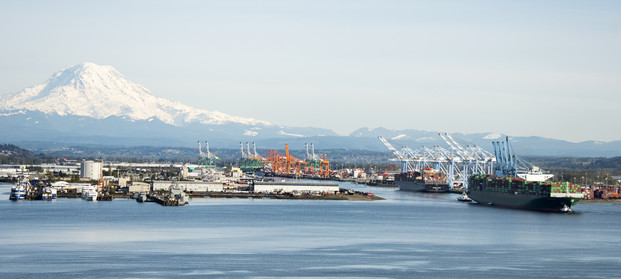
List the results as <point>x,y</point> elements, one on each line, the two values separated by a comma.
<point>407,235</point>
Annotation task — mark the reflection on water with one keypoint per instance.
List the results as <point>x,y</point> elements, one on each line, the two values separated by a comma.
<point>408,234</point>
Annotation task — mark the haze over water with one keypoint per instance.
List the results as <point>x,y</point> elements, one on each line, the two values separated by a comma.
<point>407,235</point>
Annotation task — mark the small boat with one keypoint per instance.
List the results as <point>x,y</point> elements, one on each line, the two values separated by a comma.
<point>89,193</point>
<point>18,192</point>
<point>46,196</point>
<point>142,197</point>
<point>48,193</point>
<point>436,188</point>
<point>464,198</point>
<point>178,194</point>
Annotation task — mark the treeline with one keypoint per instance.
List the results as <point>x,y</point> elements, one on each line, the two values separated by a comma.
<point>581,170</point>
<point>11,154</point>
<point>190,155</point>
<point>597,164</point>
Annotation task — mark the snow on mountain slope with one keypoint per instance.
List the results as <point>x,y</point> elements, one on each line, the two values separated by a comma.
<point>98,91</point>
<point>493,136</point>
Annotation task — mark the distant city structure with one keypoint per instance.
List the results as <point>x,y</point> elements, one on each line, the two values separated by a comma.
<point>91,169</point>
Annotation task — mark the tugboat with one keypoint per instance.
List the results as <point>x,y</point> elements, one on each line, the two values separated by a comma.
<point>464,198</point>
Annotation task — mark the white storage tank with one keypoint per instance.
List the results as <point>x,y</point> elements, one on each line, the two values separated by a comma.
<point>91,169</point>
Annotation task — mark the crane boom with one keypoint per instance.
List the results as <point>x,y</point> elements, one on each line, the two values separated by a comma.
<point>397,153</point>
<point>405,160</point>
<point>454,145</point>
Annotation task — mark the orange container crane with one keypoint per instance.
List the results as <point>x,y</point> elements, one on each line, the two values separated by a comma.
<point>324,167</point>
<point>293,164</point>
<point>283,164</point>
<point>274,161</point>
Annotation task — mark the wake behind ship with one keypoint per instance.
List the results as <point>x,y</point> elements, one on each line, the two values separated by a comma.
<point>519,184</point>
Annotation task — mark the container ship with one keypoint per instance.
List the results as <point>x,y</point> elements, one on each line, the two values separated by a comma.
<point>517,192</point>
<point>428,181</point>
<point>409,183</point>
<point>519,184</point>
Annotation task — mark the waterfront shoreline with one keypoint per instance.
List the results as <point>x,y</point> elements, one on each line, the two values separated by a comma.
<point>355,196</point>
<point>600,201</point>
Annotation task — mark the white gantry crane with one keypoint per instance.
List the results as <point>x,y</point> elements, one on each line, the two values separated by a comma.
<point>401,157</point>
<point>247,154</point>
<point>207,153</point>
<point>457,162</point>
<point>311,156</point>
<point>509,164</point>
<point>206,159</point>
<point>472,160</point>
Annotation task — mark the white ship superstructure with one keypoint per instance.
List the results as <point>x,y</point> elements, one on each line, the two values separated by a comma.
<point>18,192</point>
<point>89,193</point>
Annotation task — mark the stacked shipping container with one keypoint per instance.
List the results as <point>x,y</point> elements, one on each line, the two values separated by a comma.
<point>519,186</point>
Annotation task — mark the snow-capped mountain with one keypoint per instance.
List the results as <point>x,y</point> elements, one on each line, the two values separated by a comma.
<point>99,92</point>
<point>89,103</point>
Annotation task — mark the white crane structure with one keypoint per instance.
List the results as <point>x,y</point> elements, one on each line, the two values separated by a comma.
<point>243,152</point>
<point>509,164</point>
<point>207,153</point>
<point>457,162</point>
<point>247,154</point>
<point>206,159</point>
<point>311,156</point>
<point>254,151</point>
<point>470,160</point>
<point>406,166</point>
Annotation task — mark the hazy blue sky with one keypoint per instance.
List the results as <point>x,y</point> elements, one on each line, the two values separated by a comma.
<point>523,68</point>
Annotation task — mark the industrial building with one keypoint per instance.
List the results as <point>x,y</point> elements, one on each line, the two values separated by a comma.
<point>138,187</point>
<point>190,186</point>
<point>295,187</point>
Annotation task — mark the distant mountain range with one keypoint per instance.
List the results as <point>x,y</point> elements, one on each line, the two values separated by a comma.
<point>531,146</point>
<point>93,104</point>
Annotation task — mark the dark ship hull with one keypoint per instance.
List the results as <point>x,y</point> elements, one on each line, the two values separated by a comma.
<point>518,193</point>
<point>419,185</point>
<point>410,185</point>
